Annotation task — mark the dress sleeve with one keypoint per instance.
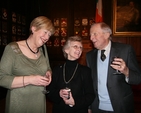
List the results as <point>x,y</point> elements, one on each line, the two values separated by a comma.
<point>6,65</point>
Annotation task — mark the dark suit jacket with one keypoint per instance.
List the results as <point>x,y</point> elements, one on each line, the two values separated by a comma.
<point>81,87</point>
<point>120,91</point>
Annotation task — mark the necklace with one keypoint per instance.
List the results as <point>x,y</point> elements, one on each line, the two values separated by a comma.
<point>31,49</point>
<point>71,76</point>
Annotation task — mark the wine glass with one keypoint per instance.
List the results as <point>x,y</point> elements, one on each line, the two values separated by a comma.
<point>116,71</point>
<point>45,91</point>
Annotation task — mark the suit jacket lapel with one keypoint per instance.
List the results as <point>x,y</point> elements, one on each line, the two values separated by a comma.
<point>94,66</point>
<point>114,52</point>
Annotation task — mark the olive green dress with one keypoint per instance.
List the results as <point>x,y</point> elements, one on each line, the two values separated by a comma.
<point>28,99</point>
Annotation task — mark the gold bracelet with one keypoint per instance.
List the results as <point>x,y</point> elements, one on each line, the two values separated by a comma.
<point>23,82</point>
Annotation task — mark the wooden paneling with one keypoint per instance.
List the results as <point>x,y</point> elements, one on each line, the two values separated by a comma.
<point>70,9</point>
<point>81,9</point>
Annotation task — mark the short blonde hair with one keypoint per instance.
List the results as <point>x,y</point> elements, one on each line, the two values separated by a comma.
<point>68,41</point>
<point>42,22</point>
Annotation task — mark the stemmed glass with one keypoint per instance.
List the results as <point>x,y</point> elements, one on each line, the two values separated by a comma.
<point>45,91</point>
<point>117,71</point>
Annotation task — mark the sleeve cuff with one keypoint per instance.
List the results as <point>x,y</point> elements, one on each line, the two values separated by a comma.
<point>127,79</point>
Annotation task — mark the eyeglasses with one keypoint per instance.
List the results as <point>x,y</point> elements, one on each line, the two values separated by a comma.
<point>77,47</point>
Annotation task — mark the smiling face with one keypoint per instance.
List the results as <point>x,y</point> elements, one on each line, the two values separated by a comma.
<point>74,50</point>
<point>41,28</point>
<point>99,38</point>
<point>41,36</point>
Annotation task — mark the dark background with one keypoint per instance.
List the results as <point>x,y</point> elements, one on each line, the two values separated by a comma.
<point>69,9</point>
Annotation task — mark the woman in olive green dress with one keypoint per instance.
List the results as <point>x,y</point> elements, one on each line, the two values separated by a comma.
<point>25,70</point>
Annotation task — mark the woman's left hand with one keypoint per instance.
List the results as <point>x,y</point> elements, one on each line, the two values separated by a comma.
<point>49,77</point>
<point>69,101</point>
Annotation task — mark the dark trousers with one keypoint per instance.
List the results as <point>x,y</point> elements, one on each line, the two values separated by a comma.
<point>102,111</point>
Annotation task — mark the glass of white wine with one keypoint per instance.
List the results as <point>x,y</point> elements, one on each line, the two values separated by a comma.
<point>45,91</point>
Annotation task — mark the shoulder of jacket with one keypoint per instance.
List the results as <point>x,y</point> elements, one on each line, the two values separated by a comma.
<point>84,67</point>
<point>121,44</point>
<point>58,67</point>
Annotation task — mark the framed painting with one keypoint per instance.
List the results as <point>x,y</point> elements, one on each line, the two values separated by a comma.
<point>19,19</point>
<point>56,21</point>
<point>63,22</point>
<point>77,22</point>
<point>4,14</point>
<point>4,26</point>
<point>84,21</point>
<point>57,31</point>
<point>14,17</point>
<point>14,29</point>
<point>126,17</point>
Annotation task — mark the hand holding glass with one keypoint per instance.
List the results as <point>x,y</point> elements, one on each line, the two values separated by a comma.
<point>117,71</point>
<point>46,91</point>
<point>68,90</point>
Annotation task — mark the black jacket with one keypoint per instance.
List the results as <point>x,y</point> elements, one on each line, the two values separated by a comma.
<point>119,90</point>
<point>81,87</point>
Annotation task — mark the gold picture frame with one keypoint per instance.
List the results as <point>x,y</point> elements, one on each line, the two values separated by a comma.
<point>126,17</point>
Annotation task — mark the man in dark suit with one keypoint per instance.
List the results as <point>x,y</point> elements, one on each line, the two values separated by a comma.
<point>112,73</point>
